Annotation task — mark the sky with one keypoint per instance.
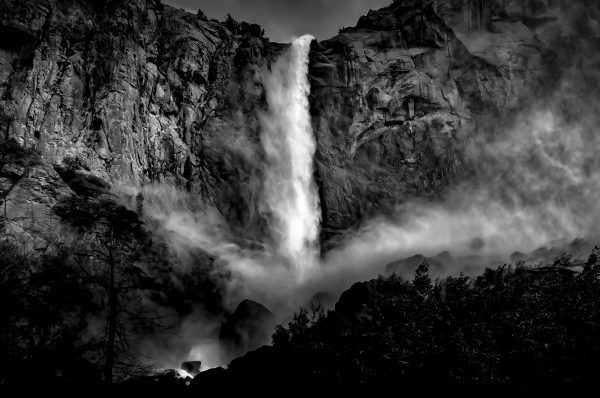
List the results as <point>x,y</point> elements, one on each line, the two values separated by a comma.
<point>282,19</point>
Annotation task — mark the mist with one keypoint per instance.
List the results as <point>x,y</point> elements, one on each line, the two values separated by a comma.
<point>533,184</point>
<point>530,179</point>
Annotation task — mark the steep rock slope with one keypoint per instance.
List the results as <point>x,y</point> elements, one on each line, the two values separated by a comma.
<point>391,94</point>
<point>135,92</point>
<point>132,92</point>
<point>119,84</point>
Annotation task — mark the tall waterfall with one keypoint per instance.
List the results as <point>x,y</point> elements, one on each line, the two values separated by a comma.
<point>290,195</point>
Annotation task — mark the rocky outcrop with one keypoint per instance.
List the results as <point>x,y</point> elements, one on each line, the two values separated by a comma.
<point>30,189</point>
<point>247,328</point>
<point>133,91</point>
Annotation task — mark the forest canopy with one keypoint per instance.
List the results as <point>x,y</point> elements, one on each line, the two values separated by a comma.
<point>509,326</point>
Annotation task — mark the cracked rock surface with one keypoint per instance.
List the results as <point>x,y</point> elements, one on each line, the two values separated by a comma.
<point>133,92</point>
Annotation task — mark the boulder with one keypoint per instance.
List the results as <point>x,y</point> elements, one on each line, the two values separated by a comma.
<point>192,367</point>
<point>247,328</point>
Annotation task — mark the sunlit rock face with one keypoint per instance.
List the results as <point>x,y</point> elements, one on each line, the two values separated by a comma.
<point>137,92</point>
<point>391,93</point>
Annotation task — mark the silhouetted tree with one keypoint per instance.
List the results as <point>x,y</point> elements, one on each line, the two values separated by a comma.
<point>45,311</point>
<point>509,326</point>
<point>112,242</point>
<point>422,280</point>
<point>244,28</point>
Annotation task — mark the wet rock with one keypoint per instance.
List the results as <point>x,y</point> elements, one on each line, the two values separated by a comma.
<point>214,379</point>
<point>192,367</point>
<point>258,370</point>
<point>159,379</point>
<point>247,328</point>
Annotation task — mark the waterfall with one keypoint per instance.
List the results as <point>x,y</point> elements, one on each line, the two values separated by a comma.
<point>290,196</point>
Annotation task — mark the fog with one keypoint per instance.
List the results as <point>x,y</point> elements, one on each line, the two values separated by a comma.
<point>531,179</point>
<point>534,183</point>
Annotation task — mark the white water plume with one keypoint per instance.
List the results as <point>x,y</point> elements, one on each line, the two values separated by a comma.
<point>290,195</point>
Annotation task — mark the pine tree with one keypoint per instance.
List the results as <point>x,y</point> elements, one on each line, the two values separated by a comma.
<point>422,280</point>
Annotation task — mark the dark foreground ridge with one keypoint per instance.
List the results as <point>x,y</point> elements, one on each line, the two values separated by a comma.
<point>514,326</point>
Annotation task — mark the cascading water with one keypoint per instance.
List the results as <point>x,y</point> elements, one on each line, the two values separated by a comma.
<point>290,195</point>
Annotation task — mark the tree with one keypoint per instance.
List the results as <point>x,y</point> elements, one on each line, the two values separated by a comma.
<point>244,28</point>
<point>422,280</point>
<point>231,24</point>
<point>45,311</point>
<point>112,241</point>
<point>591,268</point>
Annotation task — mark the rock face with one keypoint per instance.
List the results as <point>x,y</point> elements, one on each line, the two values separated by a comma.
<point>391,93</point>
<point>123,85</point>
<point>249,327</point>
<point>133,92</point>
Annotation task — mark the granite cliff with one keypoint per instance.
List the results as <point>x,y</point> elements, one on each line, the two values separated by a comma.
<point>129,93</point>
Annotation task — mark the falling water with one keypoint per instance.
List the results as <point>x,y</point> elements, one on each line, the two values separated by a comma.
<point>290,195</point>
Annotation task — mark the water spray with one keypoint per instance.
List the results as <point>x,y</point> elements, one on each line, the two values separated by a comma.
<point>290,195</point>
